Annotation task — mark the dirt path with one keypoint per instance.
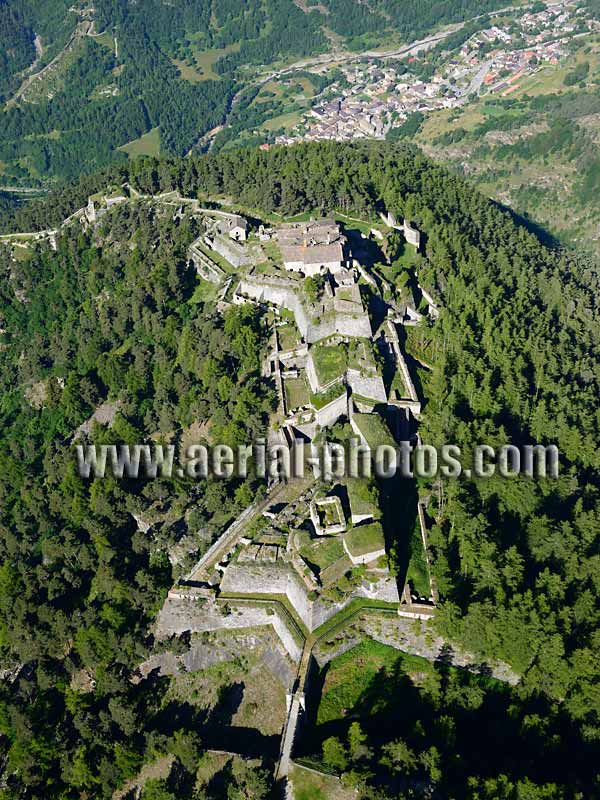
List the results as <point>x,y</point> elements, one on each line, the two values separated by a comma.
<point>82,29</point>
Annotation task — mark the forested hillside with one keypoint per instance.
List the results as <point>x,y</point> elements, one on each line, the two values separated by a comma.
<point>117,319</point>
<point>537,153</point>
<point>77,83</point>
<point>121,318</point>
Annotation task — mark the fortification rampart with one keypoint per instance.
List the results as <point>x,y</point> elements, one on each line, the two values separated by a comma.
<point>180,614</point>
<point>261,579</point>
<point>279,292</point>
<point>369,386</point>
<point>333,411</point>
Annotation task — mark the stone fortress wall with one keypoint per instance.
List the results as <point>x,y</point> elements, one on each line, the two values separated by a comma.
<point>257,579</point>
<point>264,578</point>
<point>279,292</point>
<point>183,612</point>
<point>371,387</point>
<point>330,413</point>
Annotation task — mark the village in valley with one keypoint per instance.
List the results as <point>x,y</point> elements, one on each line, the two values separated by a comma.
<point>375,94</point>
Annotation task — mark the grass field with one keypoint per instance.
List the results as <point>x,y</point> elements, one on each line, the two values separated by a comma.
<point>268,89</point>
<point>22,253</point>
<point>296,392</point>
<point>352,675</point>
<point>360,497</point>
<point>309,785</point>
<point>106,39</point>
<point>293,87</point>
<point>287,121</point>
<point>146,145</point>
<point>205,61</point>
<point>189,72</point>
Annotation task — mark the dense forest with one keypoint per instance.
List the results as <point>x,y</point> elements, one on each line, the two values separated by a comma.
<point>116,319</point>
<point>120,318</point>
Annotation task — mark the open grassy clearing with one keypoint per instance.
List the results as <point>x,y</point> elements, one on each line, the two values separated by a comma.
<point>189,72</point>
<point>310,785</point>
<point>354,673</point>
<point>54,136</point>
<point>287,121</point>
<point>206,59</point>
<point>286,87</point>
<point>364,226</point>
<point>270,91</point>
<point>146,145</point>
<point>296,392</point>
<point>22,253</point>
<point>106,39</point>
<point>444,121</point>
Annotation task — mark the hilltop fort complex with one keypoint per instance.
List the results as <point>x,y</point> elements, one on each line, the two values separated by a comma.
<point>311,557</point>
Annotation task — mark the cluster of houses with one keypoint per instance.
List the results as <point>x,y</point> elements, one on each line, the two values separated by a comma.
<point>375,95</point>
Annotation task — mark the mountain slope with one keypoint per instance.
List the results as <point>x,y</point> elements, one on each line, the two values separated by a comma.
<point>119,316</point>
<point>107,75</point>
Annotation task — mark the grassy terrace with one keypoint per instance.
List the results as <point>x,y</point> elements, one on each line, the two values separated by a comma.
<point>288,336</point>
<point>352,674</point>
<point>218,259</point>
<point>322,551</point>
<point>360,497</point>
<point>360,356</point>
<point>374,430</point>
<point>323,398</point>
<point>205,61</point>
<point>332,574</point>
<point>399,386</point>
<point>365,539</point>
<point>418,571</point>
<point>297,393</point>
<point>330,362</point>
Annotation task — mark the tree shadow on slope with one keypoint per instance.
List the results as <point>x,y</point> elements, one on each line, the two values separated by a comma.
<point>399,498</point>
<point>468,724</point>
<point>522,221</point>
<point>216,727</point>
